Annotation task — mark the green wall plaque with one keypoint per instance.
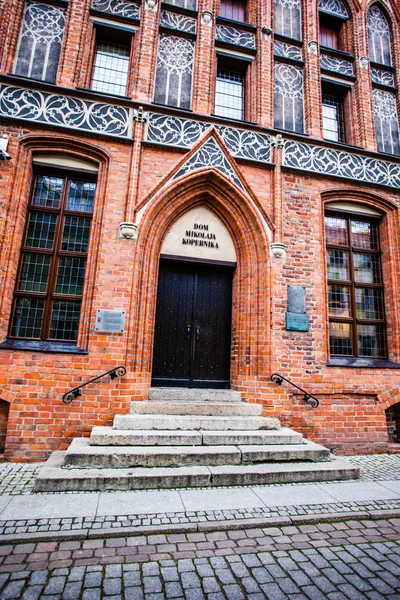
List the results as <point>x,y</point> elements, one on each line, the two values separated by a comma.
<point>296,322</point>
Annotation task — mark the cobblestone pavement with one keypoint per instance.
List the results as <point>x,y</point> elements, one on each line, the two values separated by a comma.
<point>339,561</point>
<point>19,478</point>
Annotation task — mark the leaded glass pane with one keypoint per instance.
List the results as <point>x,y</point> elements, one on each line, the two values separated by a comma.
<point>336,231</point>
<point>111,67</point>
<point>287,18</point>
<point>65,320</point>
<point>76,234</point>
<point>229,94</point>
<point>340,339</point>
<point>369,303</point>
<point>41,230</point>
<point>27,319</point>
<point>364,235</point>
<point>378,36</point>
<point>70,275</point>
<point>191,4</point>
<point>371,340</point>
<point>339,301</point>
<point>47,191</point>
<point>40,41</point>
<point>288,97</point>
<point>367,268</point>
<point>34,273</point>
<point>174,71</point>
<point>337,264</point>
<point>81,196</point>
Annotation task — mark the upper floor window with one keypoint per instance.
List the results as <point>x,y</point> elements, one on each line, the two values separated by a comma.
<point>356,305</point>
<point>111,61</point>
<point>379,38</point>
<point>329,32</point>
<point>233,9</point>
<point>287,18</point>
<point>190,4</point>
<point>174,71</point>
<point>230,89</point>
<point>40,41</point>
<point>49,289</point>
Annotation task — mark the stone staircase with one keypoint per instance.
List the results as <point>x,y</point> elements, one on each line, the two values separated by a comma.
<point>190,438</point>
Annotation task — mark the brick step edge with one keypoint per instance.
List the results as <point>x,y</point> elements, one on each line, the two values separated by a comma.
<point>203,527</point>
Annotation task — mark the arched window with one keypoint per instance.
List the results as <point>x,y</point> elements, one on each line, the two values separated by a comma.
<point>379,36</point>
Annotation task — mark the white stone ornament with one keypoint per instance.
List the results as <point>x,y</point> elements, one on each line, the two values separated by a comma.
<point>207,18</point>
<point>278,250</point>
<point>140,115</point>
<point>364,63</point>
<point>128,231</point>
<point>313,47</point>
<point>151,4</point>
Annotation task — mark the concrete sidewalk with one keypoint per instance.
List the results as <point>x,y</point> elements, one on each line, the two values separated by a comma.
<point>73,515</point>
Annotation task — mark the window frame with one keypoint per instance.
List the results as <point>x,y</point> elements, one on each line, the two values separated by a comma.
<point>350,283</point>
<point>235,65</point>
<point>50,296</point>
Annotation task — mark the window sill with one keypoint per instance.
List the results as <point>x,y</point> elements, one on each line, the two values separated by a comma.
<point>39,346</point>
<point>362,363</point>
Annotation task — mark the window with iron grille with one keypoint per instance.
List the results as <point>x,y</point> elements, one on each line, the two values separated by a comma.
<point>333,118</point>
<point>48,294</point>
<point>110,68</point>
<point>229,94</point>
<point>357,325</point>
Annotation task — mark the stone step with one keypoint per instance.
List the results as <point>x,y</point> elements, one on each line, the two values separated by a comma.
<point>81,454</point>
<point>107,436</point>
<point>196,408</point>
<point>194,422</point>
<point>192,395</point>
<point>54,478</point>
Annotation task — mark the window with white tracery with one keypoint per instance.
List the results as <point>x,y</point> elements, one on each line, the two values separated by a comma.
<point>174,71</point>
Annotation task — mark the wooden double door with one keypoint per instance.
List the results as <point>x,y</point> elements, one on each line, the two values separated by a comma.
<point>192,341</point>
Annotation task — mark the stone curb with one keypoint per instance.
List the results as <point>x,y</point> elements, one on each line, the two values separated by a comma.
<point>209,526</point>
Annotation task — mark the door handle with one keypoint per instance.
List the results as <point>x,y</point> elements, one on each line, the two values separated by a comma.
<point>188,331</point>
<point>197,332</point>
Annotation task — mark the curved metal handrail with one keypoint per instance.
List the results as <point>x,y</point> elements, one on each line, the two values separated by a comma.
<point>75,392</point>
<point>309,398</point>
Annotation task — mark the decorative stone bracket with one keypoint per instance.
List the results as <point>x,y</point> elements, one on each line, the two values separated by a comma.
<point>128,231</point>
<point>207,18</point>
<point>140,115</point>
<point>277,141</point>
<point>277,250</point>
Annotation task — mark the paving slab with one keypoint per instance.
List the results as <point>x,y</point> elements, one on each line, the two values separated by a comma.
<point>137,503</point>
<point>4,501</point>
<point>292,495</point>
<point>220,499</point>
<point>358,490</point>
<point>393,485</point>
<point>49,506</point>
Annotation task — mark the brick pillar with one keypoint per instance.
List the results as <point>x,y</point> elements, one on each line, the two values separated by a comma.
<point>312,73</point>
<point>134,170</point>
<point>10,24</point>
<point>146,52</point>
<point>363,88</point>
<point>264,66</point>
<point>75,34</point>
<point>204,72</point>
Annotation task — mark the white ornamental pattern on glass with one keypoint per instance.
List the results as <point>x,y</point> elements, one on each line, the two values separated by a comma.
<point>237,37</point>
<point>66,111</point>
<point>287,50</point>
<point>121,8</point>
<point>289,112</point>
<point>386,121</point>
<point>378,36</point>
<point>337,65</point>
<point>176,21</point>
<point>190,4</point>
<point>40,41</point>
<point>174,71</point>
<point>287,18</point>
<point>336,7</point>
<point>382,77</point>
<point>174,131</point>
<point>209,155</point>
<point>327,161</point>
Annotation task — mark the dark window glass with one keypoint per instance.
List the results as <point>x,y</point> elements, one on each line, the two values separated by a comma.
<point>332,118</point>
<point>329,31</point>
<point>355,292</point>
<point>229,96</point>
<point>51,276</point>
<point>233,9</point>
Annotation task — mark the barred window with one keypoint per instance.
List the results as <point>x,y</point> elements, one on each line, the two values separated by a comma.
<point>110,69</point>
<point>332,118</point>
<point>357,325</point>
<point>48,294</point>
<point>229,95</point>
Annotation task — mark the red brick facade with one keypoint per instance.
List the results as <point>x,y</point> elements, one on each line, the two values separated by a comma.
<point>277,204</point>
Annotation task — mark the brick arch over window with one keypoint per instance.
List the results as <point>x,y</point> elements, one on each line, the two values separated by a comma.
<point>251,285</point>
<point>14,221</point>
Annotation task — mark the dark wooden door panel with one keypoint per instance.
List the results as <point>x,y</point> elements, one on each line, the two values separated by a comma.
<point>192,341</point>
